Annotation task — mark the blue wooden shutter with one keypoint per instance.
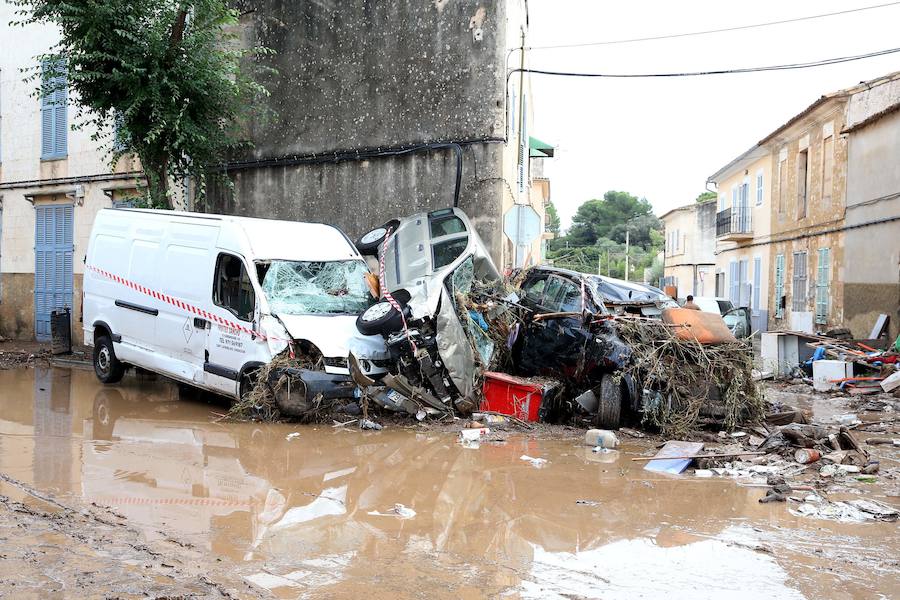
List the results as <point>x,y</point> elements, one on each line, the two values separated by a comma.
<point>54,116</point>
<point>757,281</point>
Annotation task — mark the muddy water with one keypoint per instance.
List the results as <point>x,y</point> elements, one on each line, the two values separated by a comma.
<point>311,515</point>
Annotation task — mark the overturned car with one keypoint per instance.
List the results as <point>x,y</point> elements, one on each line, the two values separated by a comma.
<point>425,263</point>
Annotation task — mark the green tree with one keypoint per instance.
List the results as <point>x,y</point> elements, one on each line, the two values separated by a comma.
<point>596,218</point>
<point>166,72</point>
<point>553,223</point>
<point>706,196</point>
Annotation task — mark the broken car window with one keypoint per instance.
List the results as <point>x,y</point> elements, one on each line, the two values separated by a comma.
<point>300,287</point>
<point>450,226</point>
<point>232,289</point>
<point>534,289</point>
<point>571,298</point>
<point>463,277</point>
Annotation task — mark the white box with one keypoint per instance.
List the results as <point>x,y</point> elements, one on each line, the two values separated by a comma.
<point>824,371</point>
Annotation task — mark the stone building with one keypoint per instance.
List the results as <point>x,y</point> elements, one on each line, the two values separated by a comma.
<point>378,109</point>
<point>689,261</point>
<point>53,180</point>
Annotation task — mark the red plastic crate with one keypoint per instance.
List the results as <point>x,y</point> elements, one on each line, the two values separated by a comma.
<point>514,396</point>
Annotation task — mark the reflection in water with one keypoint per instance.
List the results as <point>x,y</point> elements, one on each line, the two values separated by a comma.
<point>296,511</point>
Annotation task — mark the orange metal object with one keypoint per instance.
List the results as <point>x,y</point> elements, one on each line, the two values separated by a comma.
<point>705,327</point>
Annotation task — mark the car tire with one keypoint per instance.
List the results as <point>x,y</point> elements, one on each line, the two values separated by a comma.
<point>609,413</point>
<point>106,366</point>
<point>382,318</point>
<point>370,242</point>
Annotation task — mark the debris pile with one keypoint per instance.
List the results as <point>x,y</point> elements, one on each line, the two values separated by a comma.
<point>681,377</point>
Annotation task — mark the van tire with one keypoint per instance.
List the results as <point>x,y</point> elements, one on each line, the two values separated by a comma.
<point>609,413</point>
<point>370,242</point>
<point>106,366</point>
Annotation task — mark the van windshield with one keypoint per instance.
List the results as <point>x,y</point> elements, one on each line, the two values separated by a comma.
<point>302,288</point>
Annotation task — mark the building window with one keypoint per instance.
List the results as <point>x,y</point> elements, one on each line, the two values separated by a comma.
<point>54,111</point>
<point>827,168</point>
<point>759,187</point>
<point>802,169</point>
<point>823,283</point>
<point>734,283</point>
<point>782,184</point>
<point>798,292</point>
<point>779,286</point>
<point>721,202</point>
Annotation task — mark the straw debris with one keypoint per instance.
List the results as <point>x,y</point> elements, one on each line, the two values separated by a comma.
<point>686,377</point>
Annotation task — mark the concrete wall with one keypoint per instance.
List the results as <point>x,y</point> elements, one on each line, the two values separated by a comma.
<point>872,279</point>
<point>361,75</point>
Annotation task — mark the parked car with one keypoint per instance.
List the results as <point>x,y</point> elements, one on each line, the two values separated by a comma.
<point>737,319</point>
<point>209,299</point>
<point>426,260</point>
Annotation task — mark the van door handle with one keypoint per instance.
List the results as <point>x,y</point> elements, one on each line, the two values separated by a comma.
<point>200,323</point>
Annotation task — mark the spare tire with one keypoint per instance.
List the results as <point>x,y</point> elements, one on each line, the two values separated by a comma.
<point>382,318</point>
<point>369,243</point>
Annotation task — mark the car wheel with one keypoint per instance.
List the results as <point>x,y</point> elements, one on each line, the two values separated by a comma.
<point>609,413</point>
<point>371,241</point>
<point>106,366</point>
<point>382,317</point>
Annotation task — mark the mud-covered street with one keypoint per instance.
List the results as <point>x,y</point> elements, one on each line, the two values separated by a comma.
<point>141,490</point>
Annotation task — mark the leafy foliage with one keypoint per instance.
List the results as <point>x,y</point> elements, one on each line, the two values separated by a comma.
<point>166,73</point>
<point>596,240</point>
<point>553,222</point>
<point>707,196</point>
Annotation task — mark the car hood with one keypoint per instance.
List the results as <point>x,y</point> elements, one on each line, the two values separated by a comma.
<point>336,336</point>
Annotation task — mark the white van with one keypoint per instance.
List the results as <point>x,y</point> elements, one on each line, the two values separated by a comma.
<point>208,299</point>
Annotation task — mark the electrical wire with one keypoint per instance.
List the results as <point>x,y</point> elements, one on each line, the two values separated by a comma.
<point>786,67</point>
<point>710,31</point>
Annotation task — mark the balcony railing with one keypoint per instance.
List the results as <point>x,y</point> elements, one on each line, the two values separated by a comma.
<point>734,222</point>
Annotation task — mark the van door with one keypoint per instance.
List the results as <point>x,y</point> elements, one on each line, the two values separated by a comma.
<point>234,301</point>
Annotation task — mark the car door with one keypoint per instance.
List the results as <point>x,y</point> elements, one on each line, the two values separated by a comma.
<point>230,342</point>
<point>738,320</point>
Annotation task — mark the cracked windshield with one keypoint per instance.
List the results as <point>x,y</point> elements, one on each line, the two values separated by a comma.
<point>302,288</point>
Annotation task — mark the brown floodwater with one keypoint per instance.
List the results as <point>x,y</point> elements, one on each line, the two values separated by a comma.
<point>313,514</point>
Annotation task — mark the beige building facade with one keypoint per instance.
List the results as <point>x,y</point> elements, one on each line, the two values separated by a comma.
<point>689,260</point>
<point>743,233</point>
<point>53,180</point>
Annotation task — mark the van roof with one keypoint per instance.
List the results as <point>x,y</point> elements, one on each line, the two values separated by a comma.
<point>273,239</point>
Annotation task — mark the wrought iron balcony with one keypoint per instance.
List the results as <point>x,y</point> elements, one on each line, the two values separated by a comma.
<point>733,224</point>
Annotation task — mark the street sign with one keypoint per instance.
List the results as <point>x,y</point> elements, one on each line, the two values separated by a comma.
<point>522,225</point>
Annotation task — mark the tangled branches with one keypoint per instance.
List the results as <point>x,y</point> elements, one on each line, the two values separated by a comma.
<point>686,379</point>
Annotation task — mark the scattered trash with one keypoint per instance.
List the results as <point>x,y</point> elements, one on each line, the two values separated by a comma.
<point>847,420</point>
<point>535,462</point>
<point>601,437</point>
<point>587,502</point>
<point>661,464</point>
<point>805,456</point>
<point>849,511</point>
<point>292,436</point>
<point>632,432</point>
<point>367,424</point>
<point>471,435</point>
<point>399,511</point>
<point>703,473</point>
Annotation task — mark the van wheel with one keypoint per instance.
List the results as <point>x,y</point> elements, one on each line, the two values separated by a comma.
<point>106,365</point>
<point>382,318</point>
<point>370,242</point>
<point>609,413</point>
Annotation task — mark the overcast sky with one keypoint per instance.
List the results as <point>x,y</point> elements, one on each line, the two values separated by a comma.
<point>661,138</point>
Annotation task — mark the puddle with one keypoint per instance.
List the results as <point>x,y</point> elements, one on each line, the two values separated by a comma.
<point>304,515</point>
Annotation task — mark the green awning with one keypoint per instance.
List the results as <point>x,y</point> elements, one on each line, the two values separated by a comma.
<point>539,149</point>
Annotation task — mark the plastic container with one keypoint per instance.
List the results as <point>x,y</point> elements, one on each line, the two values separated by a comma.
<point>513,396</point>
<point>804,456</point>
<point>601,437</point>
<point>470,435</point>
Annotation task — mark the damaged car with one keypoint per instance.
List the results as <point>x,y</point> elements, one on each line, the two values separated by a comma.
<point>427,262</point>
<point>573,332</point>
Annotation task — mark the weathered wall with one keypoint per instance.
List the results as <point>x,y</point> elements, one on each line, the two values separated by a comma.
<point>825,209</point>
<point>360,75</point>
<point>872,279</point>
<point>361,195</point>
<point>17,307</point>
